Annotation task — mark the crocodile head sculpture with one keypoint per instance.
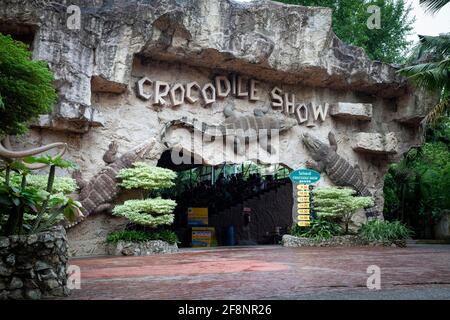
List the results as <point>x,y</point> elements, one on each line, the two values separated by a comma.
<point>338,169</point>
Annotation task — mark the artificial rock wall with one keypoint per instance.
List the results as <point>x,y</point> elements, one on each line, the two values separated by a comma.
<point>34,266</point>
<point>374,113</point>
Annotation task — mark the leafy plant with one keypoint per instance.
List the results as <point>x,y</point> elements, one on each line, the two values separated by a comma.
<point>142,236</point>
<point>32,207</point>
<point>339,203</point>
<point>384,231</point>
<point>319,229</point>
<point>26,87</point>
<point>151,211</point>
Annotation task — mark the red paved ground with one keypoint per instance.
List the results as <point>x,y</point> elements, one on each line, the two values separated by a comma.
<point>270,272</point>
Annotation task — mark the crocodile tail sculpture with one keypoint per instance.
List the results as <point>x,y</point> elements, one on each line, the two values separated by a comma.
<point>98,194</point>
<point>339,170</point>
<point>7,154</point>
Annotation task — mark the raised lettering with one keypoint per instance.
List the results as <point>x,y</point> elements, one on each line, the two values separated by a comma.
<point>206,99</point>
<point>223,86</point>
<point>253,90</point>
<point>277,99</point>
<point>189,88</point>
<point>159,94</point>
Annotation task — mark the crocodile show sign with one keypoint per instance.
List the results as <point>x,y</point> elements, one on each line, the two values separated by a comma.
<point>163,93</point>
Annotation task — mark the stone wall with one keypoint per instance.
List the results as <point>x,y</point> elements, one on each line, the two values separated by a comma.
<point>35,266</point>
<point>146,248</point>
<point>337,241</point>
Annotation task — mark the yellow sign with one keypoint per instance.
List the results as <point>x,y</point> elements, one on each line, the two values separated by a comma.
<point>303,218</point>
<point>303,193</point>
<point>303,199</point>
<point>304,223</point>
<point>303,187</point>
<point>202,236</point>
<point>198,216</point>
<point>303,205</point>
<point>303,211</point>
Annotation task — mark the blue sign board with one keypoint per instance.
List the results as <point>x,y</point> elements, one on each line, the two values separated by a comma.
<point>304,176</point>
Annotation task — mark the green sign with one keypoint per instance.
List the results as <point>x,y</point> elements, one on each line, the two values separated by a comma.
<point>304,176</point>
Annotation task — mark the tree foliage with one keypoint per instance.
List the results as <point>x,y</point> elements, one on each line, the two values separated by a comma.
<point>387,44</point>
<point>26,87</point>
<point>416,189</point>
<point>150,212</point>
<point>339,203</point>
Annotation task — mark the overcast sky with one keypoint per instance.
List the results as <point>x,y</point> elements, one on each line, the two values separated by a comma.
<point>426,23</point>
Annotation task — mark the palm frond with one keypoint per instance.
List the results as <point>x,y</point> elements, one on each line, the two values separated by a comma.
<point>434,5</point>
<point>431,76</point>
<point>440,109</point>
<point>430,48</point>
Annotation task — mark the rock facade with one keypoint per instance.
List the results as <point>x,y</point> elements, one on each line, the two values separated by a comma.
<point>35,266</point>
<point>291,51</point>
<point>336,241</point>
<point>147,248</point>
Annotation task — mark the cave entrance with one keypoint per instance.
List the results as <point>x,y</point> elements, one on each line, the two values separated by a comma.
<point>229,204</point>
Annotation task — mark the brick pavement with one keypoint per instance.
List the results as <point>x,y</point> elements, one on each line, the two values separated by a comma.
<point>263,272</point>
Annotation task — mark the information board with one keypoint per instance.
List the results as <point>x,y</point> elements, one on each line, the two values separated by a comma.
<point>302,185</point>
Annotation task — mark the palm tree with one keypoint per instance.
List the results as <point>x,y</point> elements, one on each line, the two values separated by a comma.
<point>434,5</point>
<point>432,65</point>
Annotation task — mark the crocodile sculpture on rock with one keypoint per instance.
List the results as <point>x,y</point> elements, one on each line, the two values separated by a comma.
<point>339,170</point>
<point>241,128</point>
<point>97,195</point>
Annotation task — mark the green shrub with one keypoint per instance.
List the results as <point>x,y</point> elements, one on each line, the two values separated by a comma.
<point>384,231</point>
<point>143,176</point>
<point>339,203</point>
<point>319,229</point>
<point>142,236</point>
<point>150,212</point>
<point>64,185</point>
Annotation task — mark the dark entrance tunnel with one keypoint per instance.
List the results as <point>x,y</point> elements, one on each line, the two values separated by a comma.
<point>229,204</point>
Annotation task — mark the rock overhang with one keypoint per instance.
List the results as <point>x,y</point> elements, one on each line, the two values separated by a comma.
<point>264,39</point>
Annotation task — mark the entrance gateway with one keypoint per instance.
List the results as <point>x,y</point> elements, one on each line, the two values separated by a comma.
<point>217,63</point>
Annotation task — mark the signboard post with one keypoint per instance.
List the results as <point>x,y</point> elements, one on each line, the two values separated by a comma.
<point>302,185</point>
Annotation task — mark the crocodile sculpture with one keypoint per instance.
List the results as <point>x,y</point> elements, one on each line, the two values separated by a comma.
<point>339,170</point>
<point>102,189</point>
<point>241,128</point>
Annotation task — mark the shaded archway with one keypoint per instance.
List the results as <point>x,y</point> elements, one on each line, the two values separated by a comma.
<point>255,199</point>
